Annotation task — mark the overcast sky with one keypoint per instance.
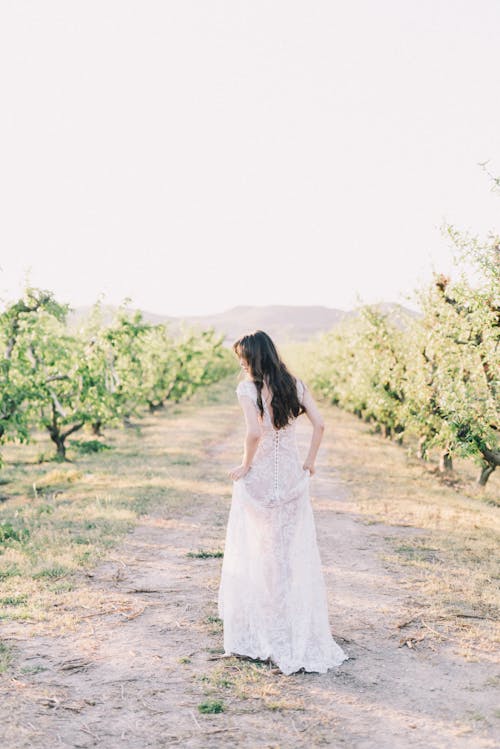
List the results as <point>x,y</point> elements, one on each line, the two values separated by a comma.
<point>199,155</point>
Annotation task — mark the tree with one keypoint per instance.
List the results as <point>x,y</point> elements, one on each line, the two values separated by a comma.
<point>17,389</point>
<point>126,339</point>
<point>361,367</point>
<point>470,340</point>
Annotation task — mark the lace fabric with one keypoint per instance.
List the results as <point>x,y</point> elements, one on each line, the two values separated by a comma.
<point>272,595</point>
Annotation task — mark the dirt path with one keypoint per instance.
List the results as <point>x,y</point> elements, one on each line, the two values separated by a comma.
<point>134,673</point>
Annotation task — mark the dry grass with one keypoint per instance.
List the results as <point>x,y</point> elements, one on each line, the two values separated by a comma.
<point>452,567</point>
<point>160,476</point>
<point>77,512</point>
<point>72,515</point>
<point>252,681</point>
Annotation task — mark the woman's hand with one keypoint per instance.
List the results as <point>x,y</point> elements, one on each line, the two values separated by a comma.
<point>238,472</point>
<point>309,467</point>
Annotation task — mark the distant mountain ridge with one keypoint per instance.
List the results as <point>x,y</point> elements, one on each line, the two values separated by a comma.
<point>284,323</point>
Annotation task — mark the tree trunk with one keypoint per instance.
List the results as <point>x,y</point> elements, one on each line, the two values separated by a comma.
<point>59,437</point>
<point>421,449</point>
<point>491,461</point>
<point>96,428</point>
<point>445,461</point>
<point>58,440</point>
<point>485,473</point>
<point>155,406</point>
<point>386,431</point>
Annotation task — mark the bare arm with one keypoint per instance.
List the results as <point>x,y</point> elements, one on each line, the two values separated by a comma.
<point>316,419</point>
<point>252,438</point>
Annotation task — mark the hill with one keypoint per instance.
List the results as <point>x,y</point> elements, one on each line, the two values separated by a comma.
<point>284,323</point>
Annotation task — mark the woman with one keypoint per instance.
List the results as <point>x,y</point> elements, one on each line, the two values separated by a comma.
<point>272,596</point>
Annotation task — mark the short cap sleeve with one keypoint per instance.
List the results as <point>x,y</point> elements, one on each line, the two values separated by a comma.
<point>245,387</point>
<point>300,390</point>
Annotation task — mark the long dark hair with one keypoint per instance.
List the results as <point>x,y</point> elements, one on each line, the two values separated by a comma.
<point>262,357</point>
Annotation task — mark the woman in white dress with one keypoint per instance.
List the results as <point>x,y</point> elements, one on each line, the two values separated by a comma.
<point>272,596</point>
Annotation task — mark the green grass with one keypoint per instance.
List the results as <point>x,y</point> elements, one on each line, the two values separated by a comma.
<point>450,562</point>
<point>51,572</point>
<point>211,706</point>
<point>32,669</point>
<point>86,447</point>
<point>417,552</point>
<point>9,533</point>
<point>205,554</point>
<point>11,571</point>
<point>248,679</point>
<point>57,522</point>
<point>13,600</point>
<point>5,657</point>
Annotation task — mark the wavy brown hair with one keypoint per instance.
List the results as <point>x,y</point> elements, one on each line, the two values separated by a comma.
<point>263,360</point>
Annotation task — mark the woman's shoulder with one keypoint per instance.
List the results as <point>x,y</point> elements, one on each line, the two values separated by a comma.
<point>300,388</point>
<point>247,387</point>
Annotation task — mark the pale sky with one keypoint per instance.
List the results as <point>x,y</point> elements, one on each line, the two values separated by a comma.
<point>196,155</point>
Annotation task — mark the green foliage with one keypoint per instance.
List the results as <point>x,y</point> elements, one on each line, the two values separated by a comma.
<point>211,706</point>
<point>174,370</point>
<point>438,379</point>
<point>13,600</point>
<point>5,657</point>
<point>205,554</point>
<point>9,533</point>
<point>59,380</point>
<point>51,572</point>
<point>12,571</point>
<point>17,357</point>
<point>360,367</point>
<point>125,344</point>
<point>86,447</point>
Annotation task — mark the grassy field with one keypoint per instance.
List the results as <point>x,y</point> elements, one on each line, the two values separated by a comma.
<point>456,566</point>
<point>58,519</point>
<point>453,565</point>
<point>108,632</point>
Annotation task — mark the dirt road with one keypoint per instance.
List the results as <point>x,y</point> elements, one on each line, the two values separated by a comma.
<point>134,672</point>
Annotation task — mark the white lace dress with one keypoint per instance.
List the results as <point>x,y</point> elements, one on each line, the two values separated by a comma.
<point>272,596</point>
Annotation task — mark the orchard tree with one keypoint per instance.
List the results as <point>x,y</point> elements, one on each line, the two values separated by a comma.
<point>470,335</point>
<point>382,360</point>
<point>161,364</point>
<point>98,371</point>
<point>424,412</point>
<point>453,383</point>
<point>58,403</point>
<point>16,390</point>
<point>63,378</point>
<point>335,368</point>
<point>126,338</point>
<point>199,359</point>
<point>476,420</point>
<point>361,368</point>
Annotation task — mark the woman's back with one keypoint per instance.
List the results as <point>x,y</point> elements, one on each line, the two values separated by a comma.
<point>276,475</point>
